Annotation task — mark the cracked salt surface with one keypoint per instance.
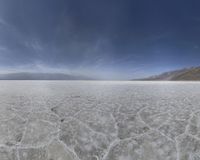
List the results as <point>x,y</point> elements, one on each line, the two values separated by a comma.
<point>91,120</point>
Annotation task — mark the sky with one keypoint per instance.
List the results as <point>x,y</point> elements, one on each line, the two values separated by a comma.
<point>108,39</point>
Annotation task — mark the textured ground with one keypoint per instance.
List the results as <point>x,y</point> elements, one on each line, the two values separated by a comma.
<point>65,120</point>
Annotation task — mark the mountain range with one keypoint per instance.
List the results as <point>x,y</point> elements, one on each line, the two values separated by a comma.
<point>186,74</point>
<point>42,76</point>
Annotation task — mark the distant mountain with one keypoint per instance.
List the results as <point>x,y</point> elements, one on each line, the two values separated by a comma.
<point>186,74</point>
<point>42,76</point>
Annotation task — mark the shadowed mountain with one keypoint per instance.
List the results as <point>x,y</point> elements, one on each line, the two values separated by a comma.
<point>42,76</point>
<point>186,74</point>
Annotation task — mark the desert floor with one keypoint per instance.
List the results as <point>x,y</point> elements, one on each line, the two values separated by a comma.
<point>93,120</point>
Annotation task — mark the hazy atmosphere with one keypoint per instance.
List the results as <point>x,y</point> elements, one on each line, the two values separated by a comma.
<point>113,39</point>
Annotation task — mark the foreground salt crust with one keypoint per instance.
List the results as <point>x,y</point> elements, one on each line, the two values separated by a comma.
<point>90,120</point>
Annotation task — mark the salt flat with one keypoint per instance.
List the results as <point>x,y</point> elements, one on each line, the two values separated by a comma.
<point>91,120</point>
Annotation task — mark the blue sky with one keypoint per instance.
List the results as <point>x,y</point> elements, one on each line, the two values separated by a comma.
<point>111,39</point>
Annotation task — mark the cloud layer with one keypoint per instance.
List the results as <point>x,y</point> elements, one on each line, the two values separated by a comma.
<point>110,39</point>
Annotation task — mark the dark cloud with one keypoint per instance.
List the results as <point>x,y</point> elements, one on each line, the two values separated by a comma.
<point>118,37</point>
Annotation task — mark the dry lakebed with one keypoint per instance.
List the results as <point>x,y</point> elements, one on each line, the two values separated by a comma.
<point>99,120</point>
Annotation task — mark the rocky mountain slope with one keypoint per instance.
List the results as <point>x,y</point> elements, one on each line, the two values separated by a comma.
<point>186,74</point>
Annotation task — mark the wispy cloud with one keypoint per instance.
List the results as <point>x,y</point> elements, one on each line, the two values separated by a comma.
<point>110,39</point>
<point>3,49</point>
<point>2,22</point>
